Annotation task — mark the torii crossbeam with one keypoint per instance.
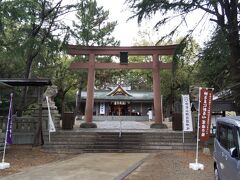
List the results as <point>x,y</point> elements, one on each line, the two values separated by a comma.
<point>91,65</point>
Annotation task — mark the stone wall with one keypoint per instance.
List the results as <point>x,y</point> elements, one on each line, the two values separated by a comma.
<point>24,129</point>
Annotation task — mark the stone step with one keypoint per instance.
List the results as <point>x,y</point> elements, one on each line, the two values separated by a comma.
<point>116,146</point>
<point>124,140</point>
<point>111,142</point>
<point>167,135</point>
<point>138,149</point>
<point>119,143</point>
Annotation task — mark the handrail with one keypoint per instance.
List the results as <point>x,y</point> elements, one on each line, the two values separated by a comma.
<point>120,128</point>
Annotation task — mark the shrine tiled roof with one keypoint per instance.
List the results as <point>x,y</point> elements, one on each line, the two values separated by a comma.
<point>134,95</point>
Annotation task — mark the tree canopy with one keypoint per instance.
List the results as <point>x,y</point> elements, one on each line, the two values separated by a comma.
<point>225,13</point>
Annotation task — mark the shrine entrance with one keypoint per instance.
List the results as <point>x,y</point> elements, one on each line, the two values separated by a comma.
<point>155,65</point>
<point>119,110</point>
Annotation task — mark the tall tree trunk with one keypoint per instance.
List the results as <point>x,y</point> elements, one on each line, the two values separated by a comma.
<point>38,138</point>
<point>27,75</point>
<point>234,44</point>
<point>235,78</point>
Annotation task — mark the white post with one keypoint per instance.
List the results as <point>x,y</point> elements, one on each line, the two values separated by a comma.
<point>182,122</point>
<point>196,160</point>
<point>5,144</point>
<point>120,128</point>
<point>196,165</point>
<point>3,164</point>
<point>183,132</point>
<point>199,102</point>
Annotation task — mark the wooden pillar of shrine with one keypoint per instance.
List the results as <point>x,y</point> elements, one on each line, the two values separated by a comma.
<point>90,94</point>
<point>157,93</point>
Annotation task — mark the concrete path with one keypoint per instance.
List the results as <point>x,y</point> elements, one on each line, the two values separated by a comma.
<point>89,166</point>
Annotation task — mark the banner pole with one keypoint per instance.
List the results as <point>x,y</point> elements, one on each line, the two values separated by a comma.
<point>8,123</point>
<point>182,123</point>
<point>199,102</point>
<point>5,144</point>
<point>196,165</point>
<point>48,119</point>
<point>4,165</point>
<point>196,160</point>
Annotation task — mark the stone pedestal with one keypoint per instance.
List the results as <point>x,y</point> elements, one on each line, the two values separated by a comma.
<point>158,126</point>
<point>88,125</point>
<point>55,117</point>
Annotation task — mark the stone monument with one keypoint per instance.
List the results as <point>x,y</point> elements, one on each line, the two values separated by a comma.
<point>51,92</point>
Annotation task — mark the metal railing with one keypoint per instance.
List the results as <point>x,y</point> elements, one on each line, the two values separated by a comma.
<point>120,128</point>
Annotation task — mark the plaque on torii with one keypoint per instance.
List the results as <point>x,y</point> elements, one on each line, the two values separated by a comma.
<point>155,65</point>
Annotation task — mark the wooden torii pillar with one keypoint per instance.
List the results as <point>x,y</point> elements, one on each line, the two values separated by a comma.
<point>91,65</point>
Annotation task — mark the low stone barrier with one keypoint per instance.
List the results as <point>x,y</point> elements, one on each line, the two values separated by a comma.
<point>24,129</point>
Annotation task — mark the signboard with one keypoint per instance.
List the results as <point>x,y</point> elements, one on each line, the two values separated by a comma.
<point>102,108</point>
<point>204,113</point>
<point>186,114</point>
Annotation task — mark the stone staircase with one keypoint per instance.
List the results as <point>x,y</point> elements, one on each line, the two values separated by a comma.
<point>78,141</point>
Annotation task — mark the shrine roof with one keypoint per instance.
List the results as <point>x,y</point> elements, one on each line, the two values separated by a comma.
<point>134,95</point>
<point>119,91</point>
<point>26,82</point>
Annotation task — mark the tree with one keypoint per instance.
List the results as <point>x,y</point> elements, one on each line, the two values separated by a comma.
<point>215,54</point>
<point>64,79</point>
<point>92,28</point>
<point>225,13</point>
<point>29,28</point>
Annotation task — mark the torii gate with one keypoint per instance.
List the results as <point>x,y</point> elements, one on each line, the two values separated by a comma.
<point>91,65</point>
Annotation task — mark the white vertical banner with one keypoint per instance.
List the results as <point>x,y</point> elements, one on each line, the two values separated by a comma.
<point>186,114</point>
<point>102,108</point>
<point>51,126</point>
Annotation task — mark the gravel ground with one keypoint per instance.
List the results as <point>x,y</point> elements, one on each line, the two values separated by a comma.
<point>26,156</point>
<point>165,165</point>
<point>173,165</point>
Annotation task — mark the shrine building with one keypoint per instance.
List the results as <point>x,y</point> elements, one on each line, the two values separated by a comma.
<point>120,101</point>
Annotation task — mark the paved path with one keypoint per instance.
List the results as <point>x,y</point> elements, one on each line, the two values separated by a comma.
<point>89,166</point>
<point>125,125</point>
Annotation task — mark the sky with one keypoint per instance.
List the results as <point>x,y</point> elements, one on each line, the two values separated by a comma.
<point>127,30</point>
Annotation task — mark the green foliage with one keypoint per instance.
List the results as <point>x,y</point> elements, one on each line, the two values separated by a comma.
<point>27,32</point>
<point>214,62</point>
<point>225,14</point>
<point>92,27</point>
<point>32,36</point>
